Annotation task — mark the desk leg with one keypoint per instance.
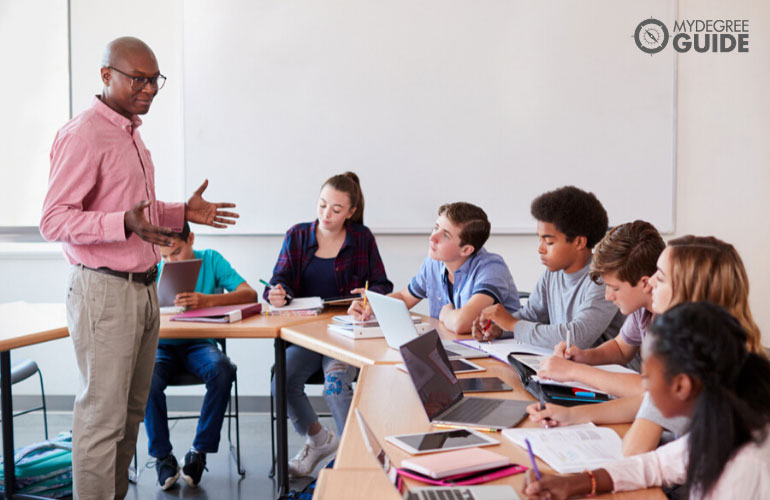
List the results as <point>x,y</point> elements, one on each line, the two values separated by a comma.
<point>9,468</point>
<point>282,448</point>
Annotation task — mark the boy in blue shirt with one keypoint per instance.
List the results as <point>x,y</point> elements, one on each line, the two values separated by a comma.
<point>458,277</point>
<point>570,222</point>
<point>201,357</point>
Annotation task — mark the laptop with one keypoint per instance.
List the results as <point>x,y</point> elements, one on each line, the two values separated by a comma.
<point>442,395</point>
<point>399,328</point>
<point>177,277</point>
<point>429,492</point>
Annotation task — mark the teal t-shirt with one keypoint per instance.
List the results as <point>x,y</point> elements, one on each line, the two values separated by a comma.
<point>216,276</point>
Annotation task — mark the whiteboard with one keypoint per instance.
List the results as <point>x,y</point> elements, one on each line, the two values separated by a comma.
<point>429,101</point>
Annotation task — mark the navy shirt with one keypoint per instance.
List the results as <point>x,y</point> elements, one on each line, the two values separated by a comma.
<point>319,279</point>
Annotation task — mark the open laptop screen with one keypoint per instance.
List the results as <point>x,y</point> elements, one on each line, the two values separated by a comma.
<point>428,366</point>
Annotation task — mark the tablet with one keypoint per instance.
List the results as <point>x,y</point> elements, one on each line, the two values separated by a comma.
<point>450,439</point>
<point>484,384</point>
<point>464,366</point>
<point>341,301</point>
<point>177,277</point>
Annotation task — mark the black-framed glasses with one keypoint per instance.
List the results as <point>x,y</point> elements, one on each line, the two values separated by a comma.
<point>140,82</point>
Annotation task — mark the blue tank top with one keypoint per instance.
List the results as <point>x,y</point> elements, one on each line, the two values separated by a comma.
<point>319,278</point>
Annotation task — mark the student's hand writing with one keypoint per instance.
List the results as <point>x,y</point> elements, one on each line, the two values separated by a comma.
<point>357,310</point>
<point>553,415</point>
<point>499,316</point>
<point>574,353</point>
<point>277,296</point>
<point>203,212</point>
<point>556,368</point>
<point>478,331</point>
<point>191,300</point>
<point>549,487</point>
<point>135,222</point>
<point>444,311</point>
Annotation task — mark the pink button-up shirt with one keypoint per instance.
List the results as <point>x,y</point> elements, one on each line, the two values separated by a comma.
<point>100,168</point>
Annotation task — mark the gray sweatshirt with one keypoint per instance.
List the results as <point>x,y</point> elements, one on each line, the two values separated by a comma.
<point>567,299</point>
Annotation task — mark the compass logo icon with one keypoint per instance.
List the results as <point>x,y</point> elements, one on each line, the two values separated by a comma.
<point>651,36</point>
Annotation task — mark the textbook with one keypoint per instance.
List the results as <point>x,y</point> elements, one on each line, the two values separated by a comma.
<point>299,306</point>
<point>532,356</point>
<point>220,314</point>
<point>572,448</point>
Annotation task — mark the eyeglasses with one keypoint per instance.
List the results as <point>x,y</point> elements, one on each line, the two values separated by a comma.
<point>140,82</point>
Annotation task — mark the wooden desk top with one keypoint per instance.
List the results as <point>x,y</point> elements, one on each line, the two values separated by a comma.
<point>316,337</point>
<point>335,484</point>
<point>386,398</point>
<point>259,326</point>
<point>23,324</point>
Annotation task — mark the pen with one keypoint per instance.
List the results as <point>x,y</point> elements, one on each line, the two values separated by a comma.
<point>569,339</point>
<point>268,285</point>
<point>532,459</point>
<point>366,289</point>
<point>584,394</point>
<point>486,327</point>
<point>450,426</point>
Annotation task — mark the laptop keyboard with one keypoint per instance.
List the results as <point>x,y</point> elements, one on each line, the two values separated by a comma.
<point>443,494</point>
<point>472,410</point>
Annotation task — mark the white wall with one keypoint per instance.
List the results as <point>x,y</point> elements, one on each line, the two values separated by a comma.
<point>722,178</point>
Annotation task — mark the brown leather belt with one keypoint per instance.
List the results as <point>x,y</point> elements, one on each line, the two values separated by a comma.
<point>146,278</point>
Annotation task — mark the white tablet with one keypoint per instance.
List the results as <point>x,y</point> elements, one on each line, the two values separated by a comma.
<point>445,440</point>
<point>177,277</point>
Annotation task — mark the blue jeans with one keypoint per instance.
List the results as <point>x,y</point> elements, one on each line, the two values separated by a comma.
<point>205,360</point>
<point>301,364</point>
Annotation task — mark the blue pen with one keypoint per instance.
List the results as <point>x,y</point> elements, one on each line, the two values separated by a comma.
<point>532,459</point>
<point>585,394</point>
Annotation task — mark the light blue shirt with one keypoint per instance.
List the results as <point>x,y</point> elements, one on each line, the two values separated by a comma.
<point>483,272</point>
<point>216,276</point>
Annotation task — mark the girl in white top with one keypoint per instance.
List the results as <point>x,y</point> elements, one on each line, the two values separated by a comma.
<point>695,363</point>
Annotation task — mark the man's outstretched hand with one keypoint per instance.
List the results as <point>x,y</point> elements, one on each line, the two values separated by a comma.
<point>135,222</point>
<point>201,211</point>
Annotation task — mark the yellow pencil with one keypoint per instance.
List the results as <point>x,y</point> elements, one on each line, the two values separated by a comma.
<point>366,289</point>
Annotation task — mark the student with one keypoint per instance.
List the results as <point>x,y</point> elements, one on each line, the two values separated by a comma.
<point>570,222</point>
<point>200,357</point>
<point>458,277</point>
<point>624,261</point>
<point>101,205</point>
<point>332,256</point>
<point>691,268</point>
<point>695,365</point>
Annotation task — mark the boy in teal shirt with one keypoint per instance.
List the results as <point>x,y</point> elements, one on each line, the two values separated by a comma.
<point>201,357</point>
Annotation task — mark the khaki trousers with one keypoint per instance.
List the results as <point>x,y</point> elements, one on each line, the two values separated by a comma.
<point>114,327</point>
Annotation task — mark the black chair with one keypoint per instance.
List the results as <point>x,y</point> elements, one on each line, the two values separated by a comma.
<point>22,369</point>
<point>187,378</point>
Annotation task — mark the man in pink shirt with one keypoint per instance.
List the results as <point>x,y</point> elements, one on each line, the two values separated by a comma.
<point>101,204</point>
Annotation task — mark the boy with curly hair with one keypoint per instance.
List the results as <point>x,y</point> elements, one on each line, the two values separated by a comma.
<point>570,222</point>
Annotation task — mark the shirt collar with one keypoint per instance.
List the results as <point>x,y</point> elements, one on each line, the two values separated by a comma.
<point>579,274</point>
<point>462,270</point>
<point>314,241</point>
<point>114,117</point>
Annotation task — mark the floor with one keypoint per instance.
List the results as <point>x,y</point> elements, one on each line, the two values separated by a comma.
<point>220,482</point>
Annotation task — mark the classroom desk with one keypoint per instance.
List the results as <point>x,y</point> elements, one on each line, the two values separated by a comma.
<point>386,398</point>
<point>354,484</point>
<point>22,324</point>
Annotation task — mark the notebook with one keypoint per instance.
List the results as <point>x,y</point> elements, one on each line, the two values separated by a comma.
<point>220,314</point>
<point>442,395</point>
<point>398,327</point>
<point>572,448</point>
<point>450,463</point>
<point>431,492</point>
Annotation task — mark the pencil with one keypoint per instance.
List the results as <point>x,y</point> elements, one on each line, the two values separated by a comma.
<point>366,289</point>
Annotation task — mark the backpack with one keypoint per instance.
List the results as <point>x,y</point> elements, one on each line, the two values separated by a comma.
<point>44,468</point>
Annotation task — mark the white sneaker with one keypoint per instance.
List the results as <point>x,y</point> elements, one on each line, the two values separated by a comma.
<point>310,455</point>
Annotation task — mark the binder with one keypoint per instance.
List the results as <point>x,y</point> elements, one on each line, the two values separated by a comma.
<point>220,314</point>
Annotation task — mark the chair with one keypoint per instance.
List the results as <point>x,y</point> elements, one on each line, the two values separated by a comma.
<point>187,378</point>
<point>22,369</point>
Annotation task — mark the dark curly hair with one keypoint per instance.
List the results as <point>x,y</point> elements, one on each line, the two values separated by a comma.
<point>572,211</point>
<point>703,341</point>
